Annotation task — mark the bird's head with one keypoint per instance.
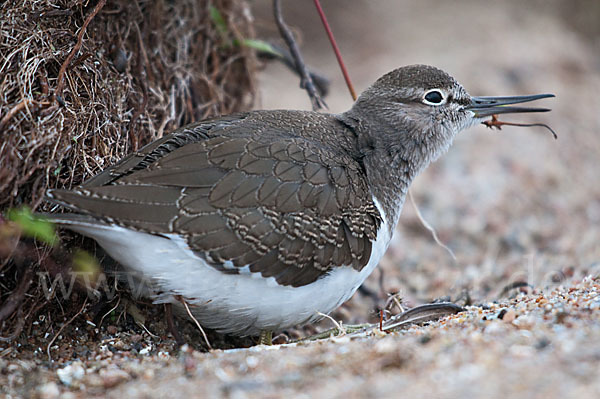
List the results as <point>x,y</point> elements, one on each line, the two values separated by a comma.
<point>417,111</point>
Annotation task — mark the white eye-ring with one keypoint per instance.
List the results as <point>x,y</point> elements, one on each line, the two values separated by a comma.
<point>434,97</point>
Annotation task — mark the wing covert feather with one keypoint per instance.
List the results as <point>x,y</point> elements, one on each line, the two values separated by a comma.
<point>289,209</point>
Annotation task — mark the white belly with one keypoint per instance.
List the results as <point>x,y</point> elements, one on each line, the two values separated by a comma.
<point>240,304</point>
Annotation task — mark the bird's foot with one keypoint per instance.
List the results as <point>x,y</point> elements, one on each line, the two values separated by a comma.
<point>266,338</point>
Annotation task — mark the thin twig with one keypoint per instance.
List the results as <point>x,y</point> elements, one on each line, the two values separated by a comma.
<point>146,329</point>
<point>398,304</point>
<point>62,328</point>
<point>60,80</point>
<point>195,321</point>
<point>494,122</point>
<point>393,300</point>
<point>13,111</point>
<point>429,227</point>
<point>320,81</point>
<point>336,50</point>
<point>341,330</point>
<point>18,328</point>
<point>110,311</point>
<point>15,299</point>
<point>305,81</point>
<point>171,324</point>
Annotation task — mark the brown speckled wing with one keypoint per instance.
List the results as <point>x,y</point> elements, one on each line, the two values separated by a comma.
<point>289,208</point>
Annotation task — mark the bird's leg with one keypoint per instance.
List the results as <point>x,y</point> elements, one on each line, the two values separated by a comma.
<point>266,337</point>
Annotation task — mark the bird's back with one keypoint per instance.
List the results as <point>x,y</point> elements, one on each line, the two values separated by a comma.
<point>258,191</point>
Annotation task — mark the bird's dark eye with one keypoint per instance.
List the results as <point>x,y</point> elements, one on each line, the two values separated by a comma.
<point>434,97</point>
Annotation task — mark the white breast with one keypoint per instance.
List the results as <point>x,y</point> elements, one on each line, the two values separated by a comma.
<point>240,304</point>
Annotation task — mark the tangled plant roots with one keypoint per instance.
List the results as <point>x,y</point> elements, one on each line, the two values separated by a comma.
<point>144,68</point>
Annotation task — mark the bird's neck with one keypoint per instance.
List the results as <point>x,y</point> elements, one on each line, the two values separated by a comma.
<point>390,159</point>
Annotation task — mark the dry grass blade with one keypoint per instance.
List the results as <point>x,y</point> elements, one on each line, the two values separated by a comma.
<point>429,227</point>
<point>196,321</point>
<point>62,328</point>
<point>341,330</point>
<point>109,312</point>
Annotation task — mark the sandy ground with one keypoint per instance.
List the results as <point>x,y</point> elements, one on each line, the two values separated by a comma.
<point>514,206</point>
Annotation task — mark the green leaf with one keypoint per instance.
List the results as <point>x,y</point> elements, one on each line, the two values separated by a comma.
<point>84,262</point>
<point>261,45</point>
<point>33,225</point>
<point>217,19</point>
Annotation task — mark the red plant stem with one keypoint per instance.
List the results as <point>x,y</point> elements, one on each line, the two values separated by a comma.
<point>336,50</point>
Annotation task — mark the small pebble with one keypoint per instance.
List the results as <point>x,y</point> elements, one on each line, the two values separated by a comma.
<point>48,391</point>
<point>112,330</point>
<point>148,374</point>
<point>509,316</point>
<point>71,373</point>
<point>145,350</point>
<point>113,377</point>
<point>136,338</point>
<point>252,361</point>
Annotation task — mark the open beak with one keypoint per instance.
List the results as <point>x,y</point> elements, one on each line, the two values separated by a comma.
<point>486,106</point>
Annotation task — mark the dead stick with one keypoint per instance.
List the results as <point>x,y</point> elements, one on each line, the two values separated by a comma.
<point>305,81</point>
<point>320,81</point>
<point>61,73</point>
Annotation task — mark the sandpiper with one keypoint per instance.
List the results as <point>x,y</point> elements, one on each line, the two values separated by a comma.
<point>264,220</point>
